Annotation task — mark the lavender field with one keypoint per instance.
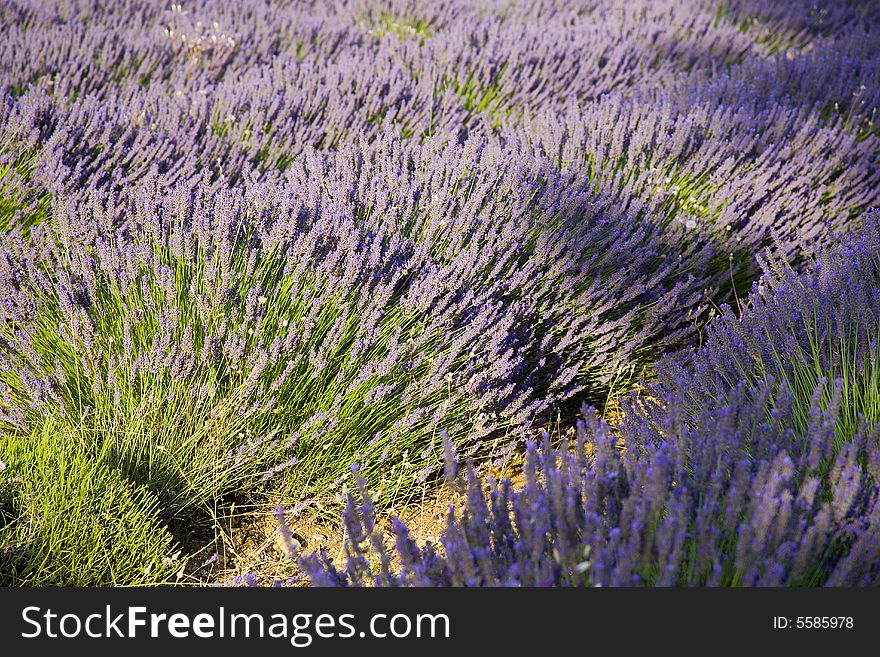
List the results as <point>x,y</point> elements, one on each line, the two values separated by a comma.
<point>601,275</point>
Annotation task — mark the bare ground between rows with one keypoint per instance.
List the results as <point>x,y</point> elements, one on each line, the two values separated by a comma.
<point>247,540</point>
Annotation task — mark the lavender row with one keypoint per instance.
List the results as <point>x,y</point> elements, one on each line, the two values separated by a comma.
<point>733,156</point>
<point>779,143</point>
<point>544,49</point>
<point>755,461</point>
<point>349,311</point>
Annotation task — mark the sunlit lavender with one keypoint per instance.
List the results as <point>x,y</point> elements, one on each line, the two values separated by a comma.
<point>263,253</point>
<point>740,468</point>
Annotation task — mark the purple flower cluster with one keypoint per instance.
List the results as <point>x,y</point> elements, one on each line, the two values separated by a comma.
<point>723,158</point>
<point>712,480</point>
<point>799,328</point>
<point>100,94</point>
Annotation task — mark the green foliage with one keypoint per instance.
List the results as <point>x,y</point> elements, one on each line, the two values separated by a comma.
<point>483,97</point>
<point>67,519</point>
<point>847,376</point>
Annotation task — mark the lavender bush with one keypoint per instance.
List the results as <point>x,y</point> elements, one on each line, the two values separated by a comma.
<point>346,313</point>
<point>814,331</point>
<point>243,246</point>
<point>745,465</point>
<point>734,156</point>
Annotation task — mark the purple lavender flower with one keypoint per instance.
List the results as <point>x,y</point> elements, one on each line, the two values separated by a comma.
<point>734,474</point>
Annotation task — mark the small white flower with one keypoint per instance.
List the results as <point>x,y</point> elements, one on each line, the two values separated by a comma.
<point>166,561</point>
<point>690,224</point>
<point>262,301</point>
<point>3,466</point>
